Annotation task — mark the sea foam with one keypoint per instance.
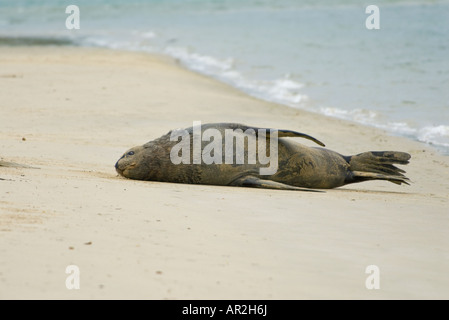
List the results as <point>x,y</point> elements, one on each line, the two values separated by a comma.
<point>282,90</point>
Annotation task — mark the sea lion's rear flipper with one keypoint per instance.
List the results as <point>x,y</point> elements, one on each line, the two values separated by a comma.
<point>359,176</point>
<point>378,165</point>
<point>254,182</point>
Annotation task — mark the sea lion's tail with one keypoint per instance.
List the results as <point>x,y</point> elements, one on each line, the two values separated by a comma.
<point>378,165</point>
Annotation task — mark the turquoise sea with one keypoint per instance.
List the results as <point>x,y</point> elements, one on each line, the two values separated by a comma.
<point>313,55</point>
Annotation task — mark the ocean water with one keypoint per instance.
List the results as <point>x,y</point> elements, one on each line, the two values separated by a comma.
<point>313,55</point>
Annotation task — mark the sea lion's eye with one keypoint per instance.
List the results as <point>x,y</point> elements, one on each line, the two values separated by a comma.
<point>130,153</point>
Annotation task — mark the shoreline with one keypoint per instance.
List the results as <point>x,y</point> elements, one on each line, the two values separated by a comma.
<point>79,109</point>
<point>59,41</point>
<point>438,148</point>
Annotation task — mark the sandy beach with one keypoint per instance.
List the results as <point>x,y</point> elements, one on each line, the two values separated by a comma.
<point>69,113</point>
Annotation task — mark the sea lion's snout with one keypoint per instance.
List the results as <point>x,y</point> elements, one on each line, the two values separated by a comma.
<point>117,167</point>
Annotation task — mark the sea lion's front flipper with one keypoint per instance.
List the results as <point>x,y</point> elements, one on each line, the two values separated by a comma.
<point>293,134</point>
<point>254,182</point>
<point>281,132</point>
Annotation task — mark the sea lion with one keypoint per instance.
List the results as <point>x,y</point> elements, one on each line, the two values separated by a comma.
<point>298,166</point>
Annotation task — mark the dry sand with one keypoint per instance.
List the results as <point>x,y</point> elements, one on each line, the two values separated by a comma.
<point>72,112</point>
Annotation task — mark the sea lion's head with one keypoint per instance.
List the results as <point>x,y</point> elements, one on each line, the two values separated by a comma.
<point>130,165</point>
